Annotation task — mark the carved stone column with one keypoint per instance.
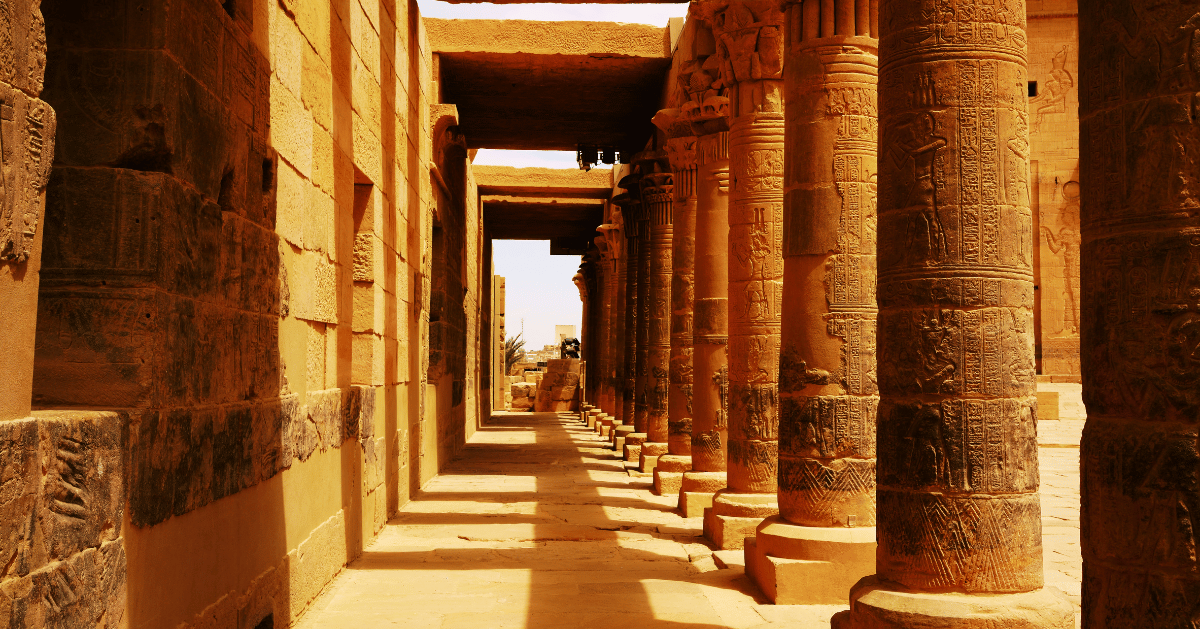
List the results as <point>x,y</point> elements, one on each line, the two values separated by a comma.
<point>681,151</point>
<point>710,388</point>
<point>1139,168</point>
<point>630,209</point>
<point>632,448</point>
<point>749,36</point>
<point>959,519</point>
<point>657,199</point>
<point>823,540</point>
<point>608,242</point>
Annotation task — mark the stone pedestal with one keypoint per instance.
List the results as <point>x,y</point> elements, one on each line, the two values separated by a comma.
<point>648,456</point>
<point>877,605</point>
<point>668,474</point>
<point>696,491</point>
<point>632,447</point>
<point>808,565</point>
<point>735,516</point>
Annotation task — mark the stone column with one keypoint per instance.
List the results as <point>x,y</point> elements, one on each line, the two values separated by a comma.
<point>750,52</point>
<point>607,244</point>
<point>681,151</point>
<point>823,540</point>
<point>959,520</point>
<point>710,364</point>
<point>641,415</point>
<point>630,208</point>
<point>1140,468</point>
<point>657,199</point>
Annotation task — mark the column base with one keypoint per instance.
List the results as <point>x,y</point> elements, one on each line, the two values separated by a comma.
<point>604,427</point>
<point>633,446</point>
<point>734,517</point>
<point>668,474</point>
<point>805,565</point>
<point>875,604</point>
<point>697,490</point>
<point>592,417</point>
<point>617,437</point>
<point>648,460</point>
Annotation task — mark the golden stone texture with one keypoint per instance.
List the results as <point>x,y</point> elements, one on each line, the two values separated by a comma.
<point>958,508</point>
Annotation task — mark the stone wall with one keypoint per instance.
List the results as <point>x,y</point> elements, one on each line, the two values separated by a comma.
<point>1054,166</point>
<point>236,258</point>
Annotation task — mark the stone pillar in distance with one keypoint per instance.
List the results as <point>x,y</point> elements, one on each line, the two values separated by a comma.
<point>641,413</point>
<point>1139,464</point>
<point>608,243</point>
<point>959,516</point>
<point>823,540</point>
<point>749,49</point>
<point>629,211</point>
<point>681,151</point>
<point>710,331</point>
<point>657,201</point>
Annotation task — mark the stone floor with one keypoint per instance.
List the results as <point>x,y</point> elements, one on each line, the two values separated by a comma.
<point>539,526</point>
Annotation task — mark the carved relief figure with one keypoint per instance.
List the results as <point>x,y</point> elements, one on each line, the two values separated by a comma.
<point>1017,171</point>
<point>721,380</point>
<point>926,236</point>
<point>936,352</point>
<point>927,463</point>
<point>1066,243</point>
<point>1052,97</point>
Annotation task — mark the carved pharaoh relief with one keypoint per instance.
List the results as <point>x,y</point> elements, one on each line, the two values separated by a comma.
<point>27,128</point>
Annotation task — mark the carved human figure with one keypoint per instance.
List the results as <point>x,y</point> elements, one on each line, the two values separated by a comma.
<point>1066,243</point>
<point>926,237</point>
<point>1052,95</point>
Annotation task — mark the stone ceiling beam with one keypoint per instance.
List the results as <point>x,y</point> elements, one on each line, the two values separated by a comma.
<point>543,182</point>
<point>521,84</point>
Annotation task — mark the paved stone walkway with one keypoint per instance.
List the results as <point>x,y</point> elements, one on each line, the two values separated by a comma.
<point>539,526</point>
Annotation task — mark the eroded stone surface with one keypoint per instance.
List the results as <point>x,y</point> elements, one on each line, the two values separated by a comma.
<point>1140,319</point>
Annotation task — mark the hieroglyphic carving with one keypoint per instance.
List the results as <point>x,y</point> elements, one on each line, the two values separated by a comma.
<point>682,154</point>
<point>755,294</point>
<point>711,312</point>
<point>630,210</point>
<point>828,390</point>
<point>657,198</point>
<point>27,127</point>
<point>957,412</point>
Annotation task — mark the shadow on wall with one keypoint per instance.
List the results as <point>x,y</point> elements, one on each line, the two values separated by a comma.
<point>169,296</point>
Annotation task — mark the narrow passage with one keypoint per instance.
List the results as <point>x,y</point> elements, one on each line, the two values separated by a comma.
<point>539,526</point>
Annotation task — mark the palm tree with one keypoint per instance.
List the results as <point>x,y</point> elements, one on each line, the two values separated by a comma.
<point>513,351</point>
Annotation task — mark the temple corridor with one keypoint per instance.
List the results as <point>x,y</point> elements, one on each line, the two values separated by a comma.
<point>540,524</point>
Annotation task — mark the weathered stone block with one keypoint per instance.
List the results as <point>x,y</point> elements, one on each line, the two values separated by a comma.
<point>82,468</point>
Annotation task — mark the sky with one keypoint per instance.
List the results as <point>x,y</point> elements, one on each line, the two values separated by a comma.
<point>537,289</point>
<point>537,285</point>
<point>653,14</point>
